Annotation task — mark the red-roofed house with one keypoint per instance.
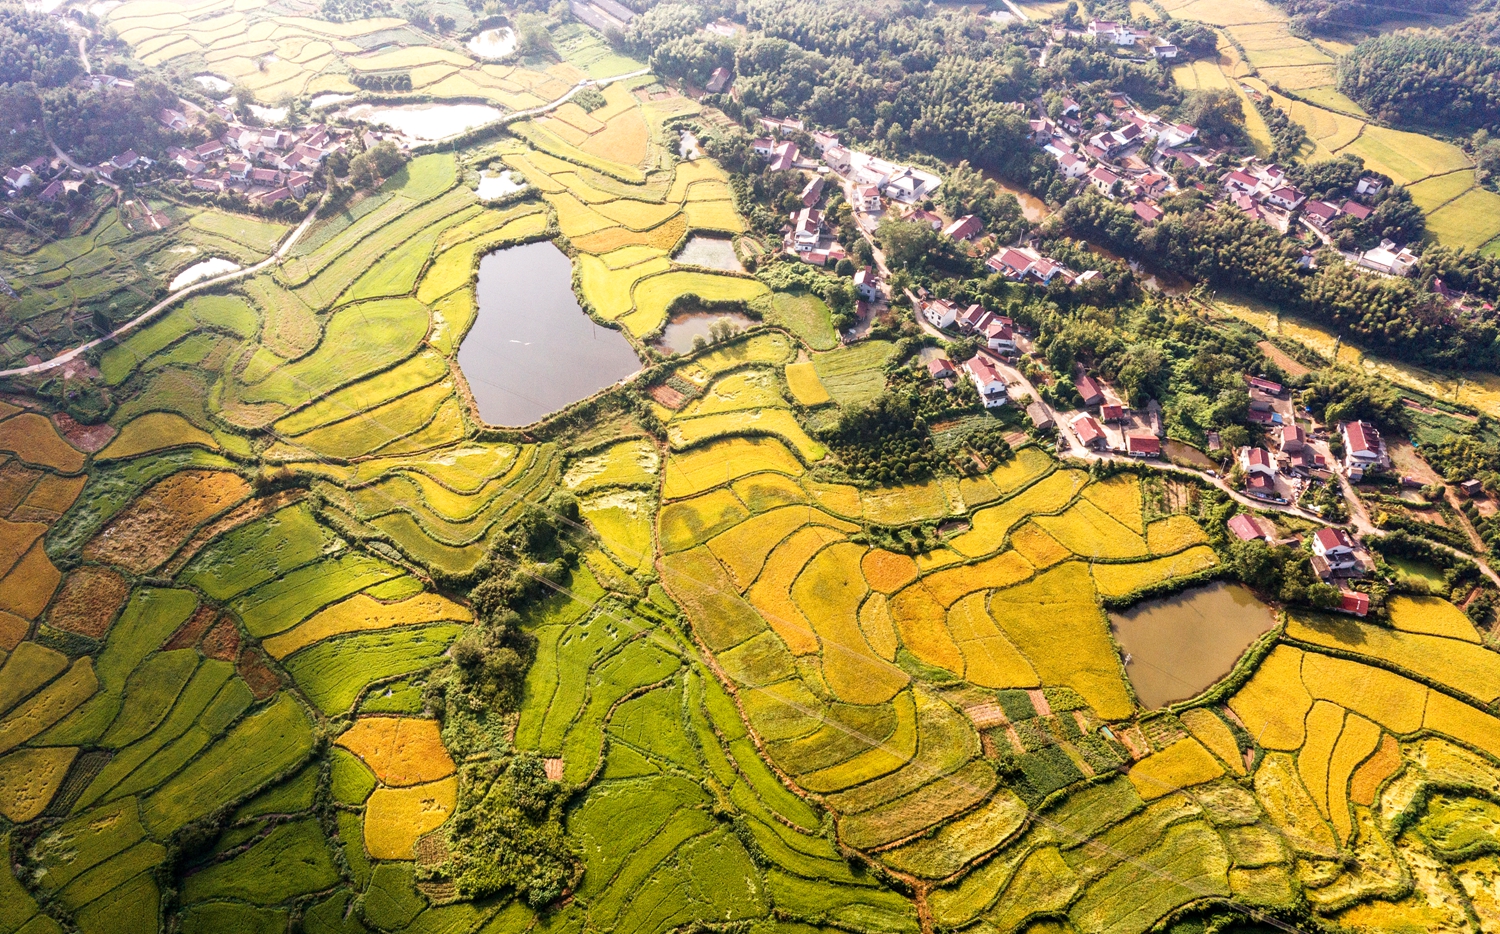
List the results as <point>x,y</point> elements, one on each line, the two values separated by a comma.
<point>783,156</point>
<point>1090,435</point>
<point>974,317</point>
<point>867,198</point>
<point>1248,528</point>
<point>1321,213</point>
<point>867,284</point>
<point>1363,449</point>
<point>1143,445</point>
<point>1266,385</point>
<point>940,312</point>
<point>965,228</point>
<point>1147,212</point>
<point>1240,181</point>
<point>1103,179</point>
<point>940,368</point>
<point>1286,197</point>
<point>1011,263</point>
<point>1073,166</point>
<point>1257,461</point>
<point>812,191</point>
<point>1353,602</point>
<point>987,380</point>
<point>922,216</point>
<point>1111,412</point>
<point>1000,337</point>
<point>1356,210</point>
<point>1089,390</point>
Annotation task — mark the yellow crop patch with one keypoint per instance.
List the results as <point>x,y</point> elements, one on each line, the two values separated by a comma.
<point>399,750</point>
<point>1274,702</point>
<point>875,622</point>
<point>1290,807</point>
<point>1323,724</point>
<point>32,438</point>
<point>887,571</point>
<point>154,431</point>
<point>1385,697</point>
<point>990,660</point>
<point>1462,666</point>
<point>991,524</point>
<point>771,593</point>
<point>362,612</point>
<point>1431,615</point>
<point>1183,764</point>
<point>1120,498</point>
<point>743,549</point>
<point>921,621</point>
<point>721,462</point>
<point>765,491</point>
<point>1058,607</point>
<point>1173,534</point>
<point>1089,532</point>
<point>829,591</point>
<point>29,778</point>
<point>1117,580</point>
<point>1462,722</point>
<point>807,389</point>
<point>694,521</point>
<point>1002,570</point>
<point>1028,464</point>
<point>1356,742</point>
<point>778,422</point>
<point>1374,771</point>
<point>1212,732</point>
<point>396,817</point>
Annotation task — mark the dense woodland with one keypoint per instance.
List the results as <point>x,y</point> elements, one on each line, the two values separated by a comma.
<point>1424,79</point>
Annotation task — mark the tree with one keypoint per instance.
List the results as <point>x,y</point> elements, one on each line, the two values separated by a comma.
<point>1216,112</point>
<point>907,245</point>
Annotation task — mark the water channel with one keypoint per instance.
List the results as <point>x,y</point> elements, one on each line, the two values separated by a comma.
<point>531,350</point>
<point>1177,646</point>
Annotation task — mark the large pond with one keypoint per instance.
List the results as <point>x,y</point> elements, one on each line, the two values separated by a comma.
<point>713,252</point>
<point>427,121</point>
<point>1177,646</point>
<point>532,350</point>
<point>685,327</point>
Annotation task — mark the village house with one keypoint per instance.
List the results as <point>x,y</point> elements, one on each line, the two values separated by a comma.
<point>1147,212</point>
<point>1389,259</point>
<point>1364,450</point>
<point>837,158</point>
<point>1073,166</point>
<point>1000,336</point>
<point>1139,445</point>
<point>940,312</point>
<point>718,81</point>
<point>1321,213</point>
<point>1111,412</point>
<point>1248,528</point>
<point>1164,51</point>
<point>920,216</point>
<point>1260,473</point>
<point>965,228</point>
<point>1286,196</point>
<point>18,177</point>
<point>784,156</point>
<point>1089,390</point>
<point>1041,417</point>
<point>1369,185</point>
<point>1090,435</point>
<point>1104,180</point>
<point>807,230</point>
<point>1337,555</point>
<point>988,380</point>
<point>941,368</point>
<point>867,284</point>
<point>973,318</point>
<point>867,198</point>
<point>812,191</point>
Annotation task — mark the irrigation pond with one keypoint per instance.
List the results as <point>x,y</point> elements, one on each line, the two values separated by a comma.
<point>1176,646</point>
<point>532,350</point>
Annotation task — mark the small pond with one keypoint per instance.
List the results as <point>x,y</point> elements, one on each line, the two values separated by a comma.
<point>328,100</point>
<point>687,147</point>
<point>427,121</point>
<point>494,43</point>
<point>197,272</point>
<point>532,350</point>
<point>500,185</point>
<point>268,114</point>
<point>685,327</point>
<point>713,252</point>
<point>1177,646</point>
<point>213,83</point>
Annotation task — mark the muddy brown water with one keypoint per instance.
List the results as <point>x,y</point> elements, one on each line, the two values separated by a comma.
<point>531,350</point>
<point>1177,646</point>
<point>684,327</point>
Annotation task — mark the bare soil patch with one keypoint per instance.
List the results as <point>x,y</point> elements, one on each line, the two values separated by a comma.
<point>88,601</point>
<point>153,527</point>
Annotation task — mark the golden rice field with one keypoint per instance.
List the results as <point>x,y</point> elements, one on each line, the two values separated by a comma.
<point>227,615</point>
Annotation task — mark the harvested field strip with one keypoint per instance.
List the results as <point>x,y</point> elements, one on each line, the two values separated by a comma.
<point>779,423</point>
<point>1118,580</point>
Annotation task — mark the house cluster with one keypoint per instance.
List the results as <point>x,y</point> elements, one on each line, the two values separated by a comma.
<point>1121,35</point>
<point>1336,556</point>
<point>1116,428</point>
<point>998,331</point>
<point>1282,475</point>
<point>808,237</point>
<point>266,164</point>
<point>50,179</point>
<point>1109,160</point>
<point>1022,263</point>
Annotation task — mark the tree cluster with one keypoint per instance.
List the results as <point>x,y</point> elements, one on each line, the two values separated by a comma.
<point>347,11</point>
<point>1282,571</point>
<point>95,123</point>
<point>1227,249</point>
<point>1424,79</point>
<point>507,835</point>
<point>389,81</point>
<point>35,48</point>
<point>1336,16</point>
<point>1288,135</point>
<point>885,440</point>
<point>966,191</point>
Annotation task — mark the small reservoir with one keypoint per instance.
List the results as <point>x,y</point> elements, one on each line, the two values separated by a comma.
<point>713,252</point>
<point>428,122</point>
<point>493,44</point>
<point>1179,645</point>
<point>531,350</point>
<point>686,326</point>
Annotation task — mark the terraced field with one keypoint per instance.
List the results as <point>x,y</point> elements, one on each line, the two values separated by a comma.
<point>223,611</point>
